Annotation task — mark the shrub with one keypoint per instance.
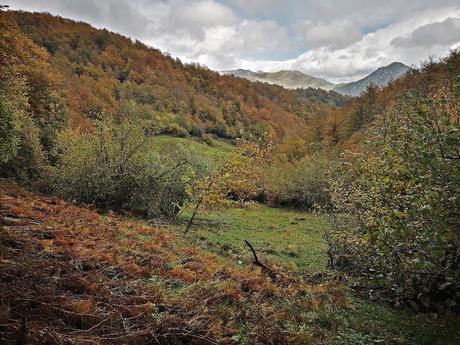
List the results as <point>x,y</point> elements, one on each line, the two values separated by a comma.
<point>302,184</point>
<point>117,168</point>
<point>28,165</point>
<point>208,139</point>
<point>10,127</point>
<point>21,153</point>
<point>196,131</point>
<point>176,130</point>
<point>233,182</point>
<point>398,202</point>
<point>219,129</point>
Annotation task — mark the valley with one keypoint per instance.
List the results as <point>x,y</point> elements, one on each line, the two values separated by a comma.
<point>146,200</point>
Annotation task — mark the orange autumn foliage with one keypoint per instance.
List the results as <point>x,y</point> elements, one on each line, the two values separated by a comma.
<point>102,284</point>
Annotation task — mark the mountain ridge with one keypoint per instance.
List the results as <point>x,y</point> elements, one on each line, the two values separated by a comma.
<point>290,79</point>
<point>381,77</point>
<point>293,79</point>
<point>101,73</point>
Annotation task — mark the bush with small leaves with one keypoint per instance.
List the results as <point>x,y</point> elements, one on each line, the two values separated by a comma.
<point>397,202</point>
<point>117,168</point>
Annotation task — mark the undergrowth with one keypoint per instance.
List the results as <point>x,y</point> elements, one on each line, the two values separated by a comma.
<point>69,275</point>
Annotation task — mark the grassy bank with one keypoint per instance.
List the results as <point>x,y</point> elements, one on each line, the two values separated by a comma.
<point>214,148</point>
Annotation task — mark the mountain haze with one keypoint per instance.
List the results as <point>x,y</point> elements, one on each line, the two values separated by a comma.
<point>286,78</point>
<point>291,79</point>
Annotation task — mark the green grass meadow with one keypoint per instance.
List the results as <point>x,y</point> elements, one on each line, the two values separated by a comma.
<point>284,236</point>
<point>216,147</point>
<point>295,239</point>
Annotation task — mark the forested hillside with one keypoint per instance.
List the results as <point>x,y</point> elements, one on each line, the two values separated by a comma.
<point>99,73</point>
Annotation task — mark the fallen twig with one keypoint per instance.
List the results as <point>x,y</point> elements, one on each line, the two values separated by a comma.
<point>257,262</point>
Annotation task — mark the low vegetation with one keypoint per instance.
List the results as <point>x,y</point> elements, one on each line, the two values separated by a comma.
<point>288,237</point>
<point>113,281</point>
<point>116,168</point>
<point>396,203</point>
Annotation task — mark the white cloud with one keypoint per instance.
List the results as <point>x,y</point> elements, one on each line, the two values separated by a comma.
<point>336,34</point>
<point>372,50</point>
<point>338,40</point>
<point>215,43</point>
<point>205,14</point>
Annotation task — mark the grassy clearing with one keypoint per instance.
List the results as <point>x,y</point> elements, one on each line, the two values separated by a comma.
<point>368,322</point>
<point>152,280</point>
<point>217,147</point>
<point>295,239</point>
<point>282,235</point>
<point>64,282</point>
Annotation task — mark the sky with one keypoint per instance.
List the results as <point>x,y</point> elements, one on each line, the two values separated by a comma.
<point>339,40</point>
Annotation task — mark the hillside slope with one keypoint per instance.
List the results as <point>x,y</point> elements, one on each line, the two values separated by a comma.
<point>107,280</point>
<point>69,275</point>
<point>97,73</point>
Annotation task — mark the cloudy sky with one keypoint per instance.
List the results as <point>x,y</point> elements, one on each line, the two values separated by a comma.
<point>340,40</point>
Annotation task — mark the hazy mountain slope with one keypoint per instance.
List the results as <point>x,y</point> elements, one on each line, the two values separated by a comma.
<point>380,77</point>
<point>348,126</point>
<point>295,79</point>
<point>287,79</point>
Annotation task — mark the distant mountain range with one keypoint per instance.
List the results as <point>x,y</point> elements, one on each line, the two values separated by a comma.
<point>295,79</point>
<point>288,79</point>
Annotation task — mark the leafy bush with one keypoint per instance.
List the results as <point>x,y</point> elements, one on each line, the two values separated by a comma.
<point>398,204</point>
<point>116,168</point>
<point>9,130</point>
<point>196,131</point>
<point>176,130</point>
<point>21,153</point>
<point>234,182</point>
<point>208,139</point>
<point>302,184</point>
<point>29,163</point>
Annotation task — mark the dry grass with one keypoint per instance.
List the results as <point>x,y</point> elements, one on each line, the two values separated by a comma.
<point>71,276</point>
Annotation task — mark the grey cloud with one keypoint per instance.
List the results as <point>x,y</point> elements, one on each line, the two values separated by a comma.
<point>200,15</point>
<point>259,36</point>
<point>257,7</point>
<point>117,15</point>
<point>368,12</point>
<point>444,33</point>
<point>191,19</point>
<point>336,34</point>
